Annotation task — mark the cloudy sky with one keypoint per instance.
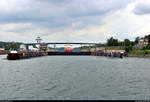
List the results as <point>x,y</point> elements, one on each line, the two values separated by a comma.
<point>73,20</point>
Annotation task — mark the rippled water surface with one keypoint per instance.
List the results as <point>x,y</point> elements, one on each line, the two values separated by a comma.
<point>75,78</point>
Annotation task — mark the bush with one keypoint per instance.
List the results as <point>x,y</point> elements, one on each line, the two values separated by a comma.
<point>147,47</point>
<point>128,49</point>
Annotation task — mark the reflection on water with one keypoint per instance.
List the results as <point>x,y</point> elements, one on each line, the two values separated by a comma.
<point>75,78</point>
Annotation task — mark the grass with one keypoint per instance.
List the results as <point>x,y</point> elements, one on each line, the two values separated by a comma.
<point>139,52</point>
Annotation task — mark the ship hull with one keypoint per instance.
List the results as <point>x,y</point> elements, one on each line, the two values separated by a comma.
<point>13,56</point>
<point>17,56</point>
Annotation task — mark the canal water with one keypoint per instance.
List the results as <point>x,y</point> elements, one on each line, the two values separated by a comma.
<point>75,78</point>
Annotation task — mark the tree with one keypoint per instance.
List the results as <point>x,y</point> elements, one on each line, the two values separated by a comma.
<point>132,43</point>
<point>10,45</point>
<point>112,42</point>
<point>137,40</point>
<point>146,47</point>
<point>128,48</point>
<point>148,37</point>
<point>121,43</point>
<point>127,42</point>
<point>101,45</point>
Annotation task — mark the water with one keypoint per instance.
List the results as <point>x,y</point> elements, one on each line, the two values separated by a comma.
<point>75,78</point>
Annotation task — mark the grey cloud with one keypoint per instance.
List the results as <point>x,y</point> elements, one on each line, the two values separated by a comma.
<point>142,8</point>
<point>62,13</point>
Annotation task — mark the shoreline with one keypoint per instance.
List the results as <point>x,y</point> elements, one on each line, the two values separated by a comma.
<point>139,56</point>
<point>129,55</point>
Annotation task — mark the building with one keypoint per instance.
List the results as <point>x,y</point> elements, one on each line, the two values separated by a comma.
<point>143,42</point>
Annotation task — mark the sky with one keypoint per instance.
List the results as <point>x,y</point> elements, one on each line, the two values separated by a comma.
<point>73,20</point>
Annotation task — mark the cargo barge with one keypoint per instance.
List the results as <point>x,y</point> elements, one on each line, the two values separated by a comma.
<point>14,55</point>
<point>109,54</point>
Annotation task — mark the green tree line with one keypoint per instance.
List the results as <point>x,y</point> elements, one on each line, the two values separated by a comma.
<point>10,45</point>
<point>128,44</point>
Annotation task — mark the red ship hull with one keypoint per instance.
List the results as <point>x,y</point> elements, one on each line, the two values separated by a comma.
<point>67,50</point>
<point>13,56</point>
<point>24,55</point>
